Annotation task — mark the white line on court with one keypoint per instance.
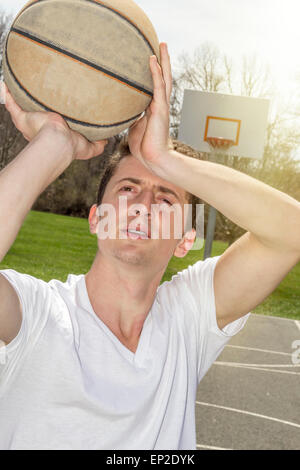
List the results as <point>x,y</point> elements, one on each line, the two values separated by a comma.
<point>257,365</point>
<point>257,315</point>
<point>297,323</point>
<point>231,364</point>
<point>289,423</point>
<point>259,350</point>
<point>199,446</point>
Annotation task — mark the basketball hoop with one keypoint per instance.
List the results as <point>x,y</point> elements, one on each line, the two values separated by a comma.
<point>220,143</point>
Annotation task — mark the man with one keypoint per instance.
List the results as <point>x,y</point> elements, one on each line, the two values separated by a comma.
<point>112,359</point>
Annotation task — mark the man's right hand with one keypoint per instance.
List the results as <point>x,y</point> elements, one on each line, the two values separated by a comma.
<point>31,123</point>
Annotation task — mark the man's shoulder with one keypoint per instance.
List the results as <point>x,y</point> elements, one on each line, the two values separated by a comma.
<point>195,279</point>
<point>71,280</point>
<point>29,285</point>
<point>201,270</point>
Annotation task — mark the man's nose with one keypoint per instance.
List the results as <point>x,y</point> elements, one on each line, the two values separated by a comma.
<point>144,201</point>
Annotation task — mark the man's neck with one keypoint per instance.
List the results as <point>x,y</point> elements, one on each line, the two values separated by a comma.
<point>121,296</point>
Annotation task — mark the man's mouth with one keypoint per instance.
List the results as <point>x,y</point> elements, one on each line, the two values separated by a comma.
<point>137,234</point>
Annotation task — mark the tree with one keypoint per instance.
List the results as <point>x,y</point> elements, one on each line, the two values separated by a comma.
<point>4,24</point>
<point>209,70</point>
<point>255,79</point>
<point>200,72</point>
<point>11,140</point>
<point>75,190</point>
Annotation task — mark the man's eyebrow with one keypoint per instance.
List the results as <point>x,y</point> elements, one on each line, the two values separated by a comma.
<point>163,189</point>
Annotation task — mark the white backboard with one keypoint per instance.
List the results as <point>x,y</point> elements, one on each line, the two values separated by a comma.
<point>238,118</point>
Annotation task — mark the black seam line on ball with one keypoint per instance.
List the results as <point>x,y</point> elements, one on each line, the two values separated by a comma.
<point>46,108</point>
<point>116,12</point>
<point>83,61</point>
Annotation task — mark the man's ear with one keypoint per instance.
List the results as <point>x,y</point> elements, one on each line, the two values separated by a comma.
<point>93,218</point>
<point>185,244</point>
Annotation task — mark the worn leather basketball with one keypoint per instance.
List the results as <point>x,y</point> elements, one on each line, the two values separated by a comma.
<point>87,60</point>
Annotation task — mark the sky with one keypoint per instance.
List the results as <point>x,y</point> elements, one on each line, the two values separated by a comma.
<point>266,29</point>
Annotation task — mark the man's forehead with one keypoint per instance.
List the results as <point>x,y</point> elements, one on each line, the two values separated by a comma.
<point>130,167</point>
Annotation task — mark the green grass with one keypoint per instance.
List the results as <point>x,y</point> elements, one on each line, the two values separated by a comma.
<point>51,246</point>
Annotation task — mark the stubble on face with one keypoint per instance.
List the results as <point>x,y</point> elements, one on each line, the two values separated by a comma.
<point>147,260</point>
<point>134,258</point>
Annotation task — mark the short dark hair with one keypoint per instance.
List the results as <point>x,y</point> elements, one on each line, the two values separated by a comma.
<point>122,150</point>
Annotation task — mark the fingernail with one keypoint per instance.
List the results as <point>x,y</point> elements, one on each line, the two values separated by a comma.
<point>2,93</point>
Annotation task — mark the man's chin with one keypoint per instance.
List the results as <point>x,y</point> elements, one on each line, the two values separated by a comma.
<point>136,258</point>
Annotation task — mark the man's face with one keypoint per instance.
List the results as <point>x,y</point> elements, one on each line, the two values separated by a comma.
<point>142,202</point>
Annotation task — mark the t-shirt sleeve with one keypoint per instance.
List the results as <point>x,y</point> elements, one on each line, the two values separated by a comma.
<point>194,290</point>
<point>34,295</point>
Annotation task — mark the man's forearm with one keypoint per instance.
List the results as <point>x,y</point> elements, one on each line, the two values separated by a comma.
<point>271,215</point>
<point>26,177</point>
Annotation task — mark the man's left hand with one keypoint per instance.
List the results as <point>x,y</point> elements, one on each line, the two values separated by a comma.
<point>149,137</point>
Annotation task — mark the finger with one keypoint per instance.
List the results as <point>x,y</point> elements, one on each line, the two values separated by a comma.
<point>160,95</point>
<point>166,69</point>
<point>98,147</point>
<point>101,146</point>
<point>94,149</point>
<point>137,121</point>
<point>139,127</point>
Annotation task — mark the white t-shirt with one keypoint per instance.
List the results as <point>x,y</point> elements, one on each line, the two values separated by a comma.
<point>69,383</point>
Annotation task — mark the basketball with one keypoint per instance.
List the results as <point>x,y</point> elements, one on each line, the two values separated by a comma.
<point>87,60</point>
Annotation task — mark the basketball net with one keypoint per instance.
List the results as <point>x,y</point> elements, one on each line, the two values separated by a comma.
<point>218,143</point>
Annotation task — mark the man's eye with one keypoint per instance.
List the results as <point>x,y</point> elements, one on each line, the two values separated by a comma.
<point>125,188</point>
<point>168,202</point>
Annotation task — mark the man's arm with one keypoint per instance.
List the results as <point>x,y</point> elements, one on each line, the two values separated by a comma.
<point>10,311</point>
<point>253,266</point>
<point>26,177</point>
<point>256,263</point>
<point>52,148</point>
<point>21,182</point>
